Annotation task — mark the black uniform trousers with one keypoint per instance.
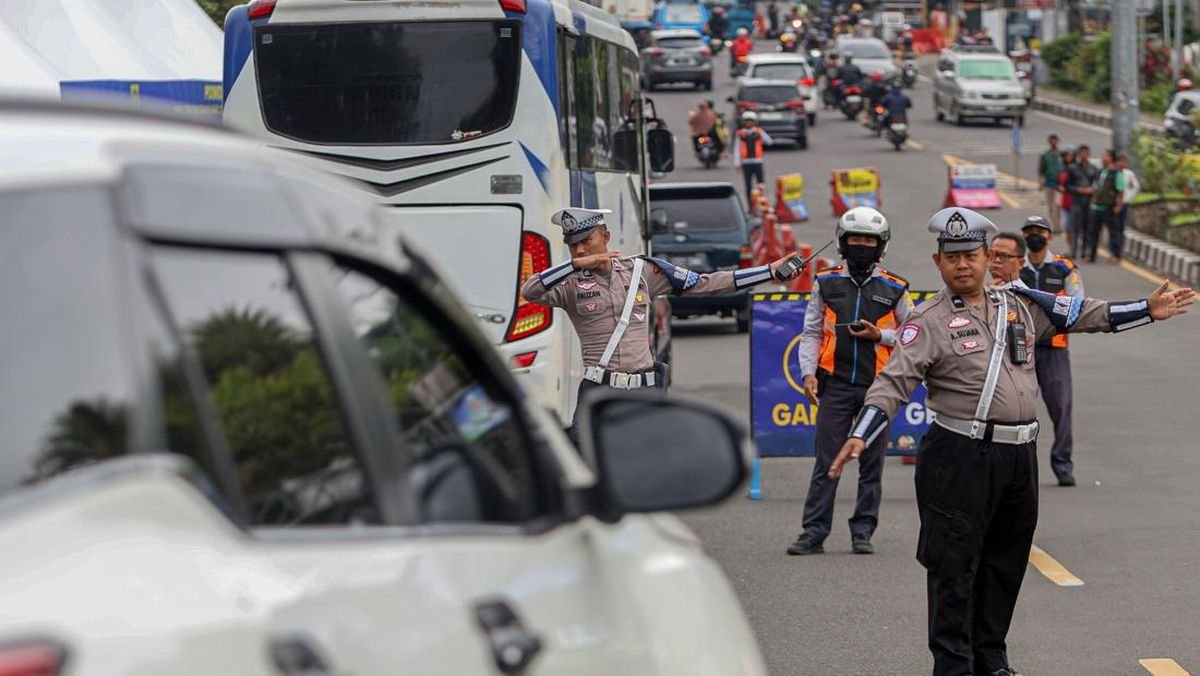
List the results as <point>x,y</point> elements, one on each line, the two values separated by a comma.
<point>840,402</point>
<point>1054,378</point>
<point>586,386</point>
<point>752,171</point>
<point>1102,217</point>
<point>978,504</point>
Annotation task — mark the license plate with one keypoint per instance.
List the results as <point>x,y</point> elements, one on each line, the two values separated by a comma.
<point>854,99</point>
<point>693,261</point>
<point>771,116</point>
<point>679,62</point>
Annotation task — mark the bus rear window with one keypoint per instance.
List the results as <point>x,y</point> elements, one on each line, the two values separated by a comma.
<point>388,83</point>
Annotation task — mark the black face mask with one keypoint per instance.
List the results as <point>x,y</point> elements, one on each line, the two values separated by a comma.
<point>860,258</point>
<point>1035,242</point>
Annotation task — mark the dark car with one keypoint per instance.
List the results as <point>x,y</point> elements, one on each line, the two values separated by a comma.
<point>677,56</point>
<point>702,227</point>
<point>779,106</point>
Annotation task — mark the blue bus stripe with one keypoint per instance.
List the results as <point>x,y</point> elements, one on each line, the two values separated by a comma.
<point>239,41</point>
<point>539,168</point>
<point>538,37</point>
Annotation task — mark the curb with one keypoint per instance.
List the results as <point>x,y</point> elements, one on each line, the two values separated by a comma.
<point>1086,114</point>
<point>1162,257</point>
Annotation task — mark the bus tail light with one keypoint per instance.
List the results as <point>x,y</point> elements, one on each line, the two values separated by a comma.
<point>33,658</point>
<point>513,6</point>
<point>530,318</point>
<point>261,9</point>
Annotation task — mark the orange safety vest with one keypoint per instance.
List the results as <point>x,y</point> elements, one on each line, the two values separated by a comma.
<point>841,355</point>
<point>1051,278</point>
<point>750,144</point>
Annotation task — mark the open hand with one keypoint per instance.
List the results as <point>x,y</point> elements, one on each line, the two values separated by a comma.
<point>810,389</point>
<point>1165,303</point>
<point>593,261</point>
<point>850,451</point>
<point>868,331</point>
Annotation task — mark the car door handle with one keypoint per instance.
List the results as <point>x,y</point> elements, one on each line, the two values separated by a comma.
<point>297,655</point>
<point>513,646</point>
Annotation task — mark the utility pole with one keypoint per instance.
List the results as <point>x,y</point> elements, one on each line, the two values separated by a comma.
<point>1178,37</point>
<point>1123,54</point>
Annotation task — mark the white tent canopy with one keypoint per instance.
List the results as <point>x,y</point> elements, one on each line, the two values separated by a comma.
<point>44,42</point>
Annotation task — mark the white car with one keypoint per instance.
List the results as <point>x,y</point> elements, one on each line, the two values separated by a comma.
<point>245,431</point>
<point>792,67</point>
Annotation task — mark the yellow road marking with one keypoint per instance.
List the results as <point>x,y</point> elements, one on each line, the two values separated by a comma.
<point>1163,666</point>
<point>1138,270</point>
<point>916,145</point>
<point>1008,199</point>
<point>1052,569</point>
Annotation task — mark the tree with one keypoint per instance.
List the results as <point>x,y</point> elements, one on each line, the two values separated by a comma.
<point>217,9</point>
<point>86,432</point>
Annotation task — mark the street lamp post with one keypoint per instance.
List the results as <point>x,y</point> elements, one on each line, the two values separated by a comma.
<point>1123,56</point>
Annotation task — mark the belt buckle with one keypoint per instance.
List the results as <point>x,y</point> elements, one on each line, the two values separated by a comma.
<point>620,380</point>
<point>635,380</point>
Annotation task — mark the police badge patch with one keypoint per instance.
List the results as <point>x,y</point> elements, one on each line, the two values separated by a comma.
<point>956,225</point>
<point>909,333</point>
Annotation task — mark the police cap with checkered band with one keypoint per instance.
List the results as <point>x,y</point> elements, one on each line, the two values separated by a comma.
<point>578,223</point>
<point>960,229</point>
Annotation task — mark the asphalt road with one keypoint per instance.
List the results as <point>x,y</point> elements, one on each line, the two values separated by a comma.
<point>1128,531</point>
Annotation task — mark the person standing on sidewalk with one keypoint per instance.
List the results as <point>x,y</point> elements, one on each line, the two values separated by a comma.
<point>1045,271</point>
<point>1049,167</point>
<point>849,333</point>
<point>749,144</point>
<point>1068,158</point>
<point>1132,187</point>
<point>1107,199</point>
<point>1080,177</point>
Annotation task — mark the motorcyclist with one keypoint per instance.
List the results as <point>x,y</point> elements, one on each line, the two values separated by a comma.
<point>741,47</point>
<point>718,24</point>
<point>833,73</point>
<point>787,41</point>
<point>875,90</point>
<point>896,103</point>
<point>851,74</point>
<point>703,121</point>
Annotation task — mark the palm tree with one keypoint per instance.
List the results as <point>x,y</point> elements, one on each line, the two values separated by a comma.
<point>86,432</point>
<point>247,338</point>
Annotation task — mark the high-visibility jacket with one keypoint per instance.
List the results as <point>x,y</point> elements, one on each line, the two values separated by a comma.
<point>750,143</point>
<point>1059,276</point>
<point>837,300</point>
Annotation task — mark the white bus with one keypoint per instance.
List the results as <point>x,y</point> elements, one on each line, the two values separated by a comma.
<point>472,121</point>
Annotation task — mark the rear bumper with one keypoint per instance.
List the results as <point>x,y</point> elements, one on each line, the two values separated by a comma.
<point>974,108</point>
<point>791,130</point>
<point>701,73</point>
<point>684,306</point>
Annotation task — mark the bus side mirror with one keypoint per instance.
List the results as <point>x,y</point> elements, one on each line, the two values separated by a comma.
<point>660,146</point>
<point>658,222</point>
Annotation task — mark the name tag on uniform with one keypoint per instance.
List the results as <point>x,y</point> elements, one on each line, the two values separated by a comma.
<point>880,299</point>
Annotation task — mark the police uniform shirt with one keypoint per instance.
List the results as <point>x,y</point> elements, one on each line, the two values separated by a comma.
<point>882,299</point>
<point>594,302</point>
<point>948,344</point>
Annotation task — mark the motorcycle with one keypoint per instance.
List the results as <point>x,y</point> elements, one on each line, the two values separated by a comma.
<point>1181,132</point>
<point>897,133</point>
<point>788,43</point>
<point>706,151</point>
<point>738,65</point>
<point>908,76</point>
<point>716,44</point>
<point>878,120</point>
<point>852,102</point>
<point>829,96</point>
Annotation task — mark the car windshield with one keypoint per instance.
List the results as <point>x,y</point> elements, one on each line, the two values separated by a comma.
<point>680,43</point>
<point>985,70</point>
<point>866,49</point>
<point>781,71</point>
<point>384,83</point>
<point>696,213</point>
<point>773,94</point>
<point>682,14</point>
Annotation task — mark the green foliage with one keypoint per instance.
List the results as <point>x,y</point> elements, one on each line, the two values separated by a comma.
<point>243,338</point>
<point>1080,66</point>
<point>1156,98</point>
<point>1184,219</point>
<point>1057,54</point>
<point>86,432</point>
<point>216,9</point>
<point>1160,168</point>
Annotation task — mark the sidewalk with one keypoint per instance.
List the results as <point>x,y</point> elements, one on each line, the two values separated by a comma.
<point>1065,105</point>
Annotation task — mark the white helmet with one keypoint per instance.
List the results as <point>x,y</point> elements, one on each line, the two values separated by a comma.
<point>863,221</point>
<point>749,115</point>
<point>743,32</point>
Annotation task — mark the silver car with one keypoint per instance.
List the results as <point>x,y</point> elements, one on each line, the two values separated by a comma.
<point>973,83</point>
<point>678,55</point>
<point>871,55</point>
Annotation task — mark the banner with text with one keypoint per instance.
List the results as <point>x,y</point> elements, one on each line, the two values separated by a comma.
<point>973,186</point>
<point>782,419</point>
<point>854,188</point>
<point>790,206</point>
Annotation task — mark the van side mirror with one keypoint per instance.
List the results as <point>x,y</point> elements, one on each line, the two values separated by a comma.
<point>654,454</point>
<point>658,222</point>
<point>660,147</point>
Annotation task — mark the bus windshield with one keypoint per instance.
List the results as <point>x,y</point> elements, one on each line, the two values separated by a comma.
<point>385,83</point>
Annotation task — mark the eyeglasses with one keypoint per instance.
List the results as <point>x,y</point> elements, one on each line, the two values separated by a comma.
<point>1003,257</point>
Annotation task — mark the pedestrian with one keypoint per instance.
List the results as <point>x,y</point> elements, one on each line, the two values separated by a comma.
<point>1045,271</point>
<point>609,312</point>
<point>749,144</point>
<point>1080,178</point>
<point>1068,158</point>
<point>1107,198</point>
<point>976,477</point>
<point>773,19</point>
<point>839,361</point>
<point>1049,167</point>
<point>1132,187</point>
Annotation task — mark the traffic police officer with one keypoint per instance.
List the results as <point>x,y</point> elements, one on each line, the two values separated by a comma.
<point>976,480</point>
<point>1046,271</point>
<point>849,333</point>
<point>609,312</point>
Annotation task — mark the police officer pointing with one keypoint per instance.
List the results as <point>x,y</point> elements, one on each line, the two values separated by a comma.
<point>976,478</point>
<point>609,311</point>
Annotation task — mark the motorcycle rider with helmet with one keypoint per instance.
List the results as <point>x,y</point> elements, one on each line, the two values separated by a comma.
<point>741,47</point>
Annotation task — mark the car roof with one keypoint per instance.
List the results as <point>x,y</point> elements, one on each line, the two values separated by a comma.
<point>776,58</point>
<point>676,33</point>
<point>763,82</point>
<point>48,144</point>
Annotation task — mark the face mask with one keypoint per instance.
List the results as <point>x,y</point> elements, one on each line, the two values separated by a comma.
<point>860,257</point>
<point>1035,242</point>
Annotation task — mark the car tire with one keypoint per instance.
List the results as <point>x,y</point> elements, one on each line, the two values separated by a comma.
<point>812,119</point>
<point>706,85</point>
<point>937,112</point>
<point>802,142</point>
